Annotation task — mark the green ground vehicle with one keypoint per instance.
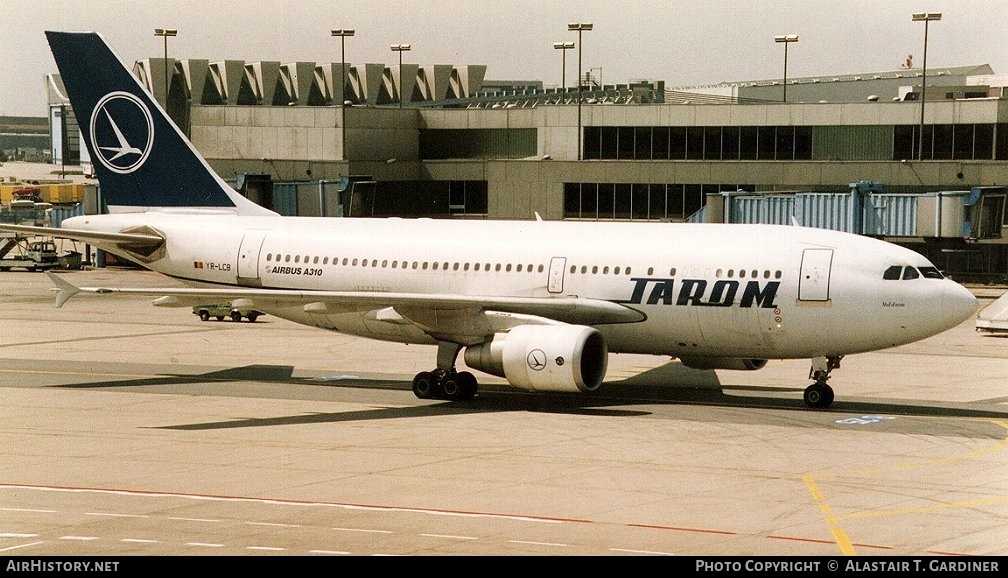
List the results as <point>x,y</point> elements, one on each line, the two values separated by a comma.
<point>219,312</point>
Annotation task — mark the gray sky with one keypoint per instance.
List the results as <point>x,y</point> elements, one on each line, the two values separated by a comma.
<point>683,42</point>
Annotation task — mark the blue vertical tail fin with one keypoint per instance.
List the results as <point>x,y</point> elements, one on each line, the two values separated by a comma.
<point>141,158</point>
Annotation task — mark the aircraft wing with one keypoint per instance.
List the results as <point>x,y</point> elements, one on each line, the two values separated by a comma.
<point>420,308</point>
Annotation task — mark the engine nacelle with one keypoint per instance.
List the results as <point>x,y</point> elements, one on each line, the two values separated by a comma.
<point>736,363</point>
<point>544,357</point>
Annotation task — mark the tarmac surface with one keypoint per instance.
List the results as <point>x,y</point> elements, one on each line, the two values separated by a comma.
<point>129,429</point>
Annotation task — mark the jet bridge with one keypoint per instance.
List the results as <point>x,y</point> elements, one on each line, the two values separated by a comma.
<point>994,317</point>
<point>965,232</point>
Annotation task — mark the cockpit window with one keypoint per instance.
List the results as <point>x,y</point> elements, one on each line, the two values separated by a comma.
<point>892,273</point>
<point>895,272</point>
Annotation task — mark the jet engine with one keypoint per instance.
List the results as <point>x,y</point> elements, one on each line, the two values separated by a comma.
<point>544,357</point>
<point>737,363</point>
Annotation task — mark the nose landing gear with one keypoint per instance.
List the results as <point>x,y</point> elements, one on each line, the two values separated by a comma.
<point>819,394</point>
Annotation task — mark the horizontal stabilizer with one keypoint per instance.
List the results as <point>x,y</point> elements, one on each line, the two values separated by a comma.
<point>142,246</point>
<point>138,240</point>
<point>64,289</point>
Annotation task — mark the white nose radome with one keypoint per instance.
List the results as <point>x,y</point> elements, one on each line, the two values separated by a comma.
<point>957,305</point>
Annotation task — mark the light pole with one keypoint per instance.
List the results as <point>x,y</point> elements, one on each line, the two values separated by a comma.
<point>786,39</point>
<point>925,17</point>
<point>579,27</point>
<point>565,46</point>
<point>400,48</point>
<point>342,33</point>
<point>165,32</point>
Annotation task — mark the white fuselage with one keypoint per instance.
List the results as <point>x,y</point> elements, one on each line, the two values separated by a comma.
<point>739,291</point>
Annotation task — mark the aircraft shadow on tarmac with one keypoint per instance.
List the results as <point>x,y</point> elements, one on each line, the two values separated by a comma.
<point>669,384</point>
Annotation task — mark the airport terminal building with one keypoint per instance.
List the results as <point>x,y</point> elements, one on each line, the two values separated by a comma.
<point>867,153</point>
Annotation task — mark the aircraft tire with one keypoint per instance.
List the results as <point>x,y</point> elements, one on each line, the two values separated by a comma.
<point>459,386</point>
<point>451,386</point>
<point>818,395</point>
<point>468,386</point>
<point>424,385</point>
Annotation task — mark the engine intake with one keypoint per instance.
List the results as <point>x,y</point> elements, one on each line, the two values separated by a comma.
<point>544,357</point>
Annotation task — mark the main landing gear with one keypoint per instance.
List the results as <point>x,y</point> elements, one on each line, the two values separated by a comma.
<point>819,394</point>
<point>444,382</point>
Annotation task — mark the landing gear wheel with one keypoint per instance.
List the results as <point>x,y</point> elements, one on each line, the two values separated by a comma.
<point>449,385</point>
<point>424,385</point>
<point>818,395</point>
<point>469,386</point>
<point>444,382</point>
<point>460,386</point>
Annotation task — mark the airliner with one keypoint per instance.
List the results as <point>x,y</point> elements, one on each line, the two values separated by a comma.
<point>539,303</point>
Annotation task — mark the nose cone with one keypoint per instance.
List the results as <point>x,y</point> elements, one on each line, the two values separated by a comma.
<point>958,305</point>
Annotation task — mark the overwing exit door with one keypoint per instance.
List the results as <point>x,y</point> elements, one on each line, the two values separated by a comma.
<point>556,274</point>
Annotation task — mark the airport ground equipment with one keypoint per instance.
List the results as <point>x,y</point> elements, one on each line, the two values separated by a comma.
<point>18,252</point>
<point>219,312</point>
<point>994,317</point>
